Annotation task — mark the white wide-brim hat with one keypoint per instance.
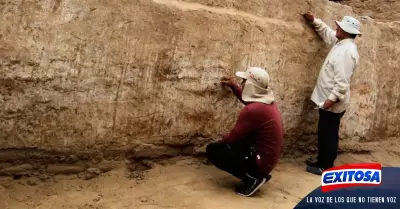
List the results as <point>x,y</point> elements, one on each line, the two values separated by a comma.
<point>258,75</point>
<point>256,88</point>
<point>350,25</point>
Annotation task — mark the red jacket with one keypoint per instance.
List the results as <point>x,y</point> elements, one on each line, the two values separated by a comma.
<point>261,125</point>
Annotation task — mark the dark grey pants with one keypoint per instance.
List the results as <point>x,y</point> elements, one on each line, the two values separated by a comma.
<point>328,137</point>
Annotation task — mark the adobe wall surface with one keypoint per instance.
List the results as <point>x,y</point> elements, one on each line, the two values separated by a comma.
<point>97,76</point>
<point>377,9</point>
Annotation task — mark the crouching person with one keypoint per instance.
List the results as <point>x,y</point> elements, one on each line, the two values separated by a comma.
<point>252,148</point>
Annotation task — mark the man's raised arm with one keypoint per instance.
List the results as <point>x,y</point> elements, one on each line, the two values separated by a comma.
<point>323,30</point>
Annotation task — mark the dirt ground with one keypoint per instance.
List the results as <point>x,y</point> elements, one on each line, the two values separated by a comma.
<point>181,182</point>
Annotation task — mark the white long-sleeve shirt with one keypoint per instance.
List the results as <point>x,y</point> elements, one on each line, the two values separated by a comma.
<point>335,75</point>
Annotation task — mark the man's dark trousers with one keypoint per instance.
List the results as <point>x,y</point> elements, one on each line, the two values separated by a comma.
<point>238,160</point>
<point>328,138</point>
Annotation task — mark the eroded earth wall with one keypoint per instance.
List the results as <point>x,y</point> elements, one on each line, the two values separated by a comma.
<point>377,9</point>
<point>101,75</point>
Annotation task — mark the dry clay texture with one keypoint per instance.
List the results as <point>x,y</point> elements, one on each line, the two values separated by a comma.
<point>103,75</point>
<point>377,9</point>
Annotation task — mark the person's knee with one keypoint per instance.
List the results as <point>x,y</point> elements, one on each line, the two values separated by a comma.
<point>211,149</point>
<point>214,151</point>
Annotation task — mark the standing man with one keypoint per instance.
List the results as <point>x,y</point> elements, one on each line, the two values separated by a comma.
<point>252,148</point>
<point>332,92</point>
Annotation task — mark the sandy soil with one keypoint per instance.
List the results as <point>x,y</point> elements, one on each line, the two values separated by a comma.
<point>174,183</point>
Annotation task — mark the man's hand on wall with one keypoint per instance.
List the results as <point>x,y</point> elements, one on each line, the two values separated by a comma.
<point>309,17</point>
<point>227,81</point>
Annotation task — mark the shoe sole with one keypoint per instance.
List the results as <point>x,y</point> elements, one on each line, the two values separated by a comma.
<point>256,189</point>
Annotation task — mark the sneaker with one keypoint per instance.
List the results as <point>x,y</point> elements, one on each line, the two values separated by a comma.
<point>249,188</point>
<point>315,170</point>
